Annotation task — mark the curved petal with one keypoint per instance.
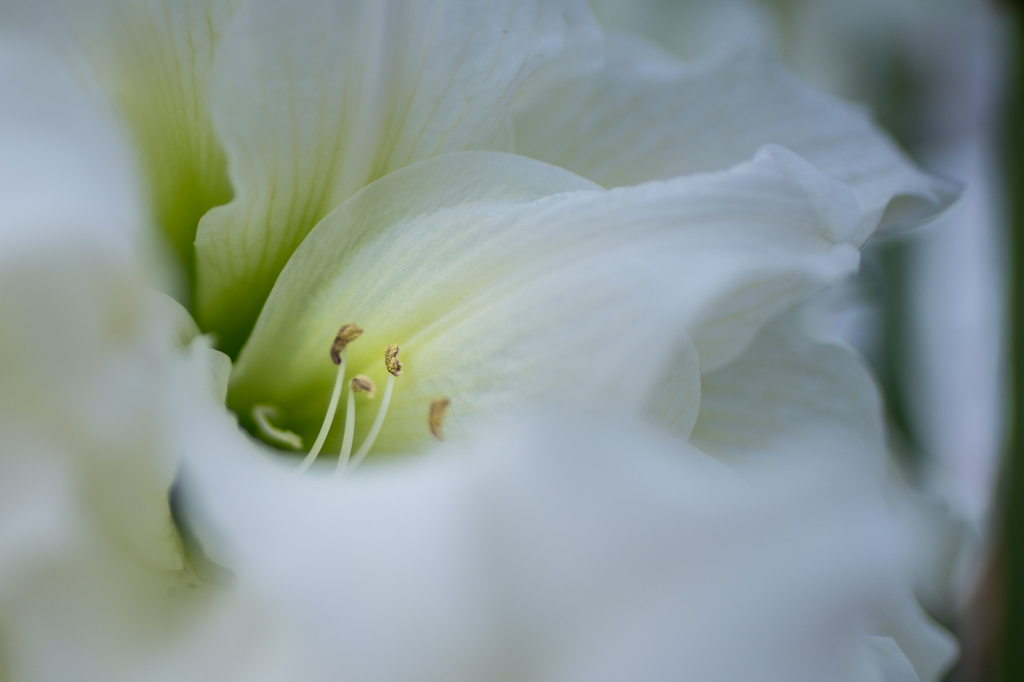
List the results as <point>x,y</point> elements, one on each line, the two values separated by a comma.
<point>65,174</point>
<point>154,60</point>
<point>64,190</point>
<point>674,400</point>
<point>646,116</point>
<point>491,270</point>
<point>691,29</point>
<point>787,393</point>
<point>928,647</point>
<point>314,100</point>
<point>92,563</point>
<point>582,52</point>
<point>791,396</point>
<point>538,551</point>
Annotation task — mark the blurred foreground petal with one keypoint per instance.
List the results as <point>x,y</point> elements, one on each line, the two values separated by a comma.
<point>539,551</point>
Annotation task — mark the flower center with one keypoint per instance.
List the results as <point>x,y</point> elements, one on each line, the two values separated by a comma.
<point>263,414</point>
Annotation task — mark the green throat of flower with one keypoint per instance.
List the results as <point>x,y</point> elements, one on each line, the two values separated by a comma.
<point>264,415</point>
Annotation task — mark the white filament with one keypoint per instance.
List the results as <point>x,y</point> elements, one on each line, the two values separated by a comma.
<point>329,417</point>
<point>375,429</point>
<point>350,429</point>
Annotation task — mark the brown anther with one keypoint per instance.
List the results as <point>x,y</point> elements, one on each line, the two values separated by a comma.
<point>435,416</point>
<point>362,383</point>
<point>391,360</point>
<point>346,335</point>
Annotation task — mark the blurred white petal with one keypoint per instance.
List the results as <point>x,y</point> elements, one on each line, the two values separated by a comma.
<point>788,396</point>
<point>153,60</point>
<point>90,555</point>
<point>539,551</point>
<point>65,175</point>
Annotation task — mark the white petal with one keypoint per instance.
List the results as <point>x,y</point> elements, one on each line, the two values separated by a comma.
<point>153,59</point>
<point>92,561</point>
<point>787,393</point>
<point>497,293</point>
<point>65,176</point>
<point>691,29</point>
<point>674,401</point>
<point>317,99</point>
<point>887,662</point>
<point>644,118</point>
<point>540,552</point>
<point>90,550</point>
<point>582,52</point>
<point>790,397</point>
<point>927,646</point>
<point>94,585</point>
<point>68,220</point>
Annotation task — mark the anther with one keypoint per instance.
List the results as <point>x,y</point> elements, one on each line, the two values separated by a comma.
<point>339,353</point>
<point>435,416</point>
<point>262,414</point>
<point>346,335</point>
<point>391,361</point>
<point>364,384</point>
<point>359,384</point>
<point>394,368</point>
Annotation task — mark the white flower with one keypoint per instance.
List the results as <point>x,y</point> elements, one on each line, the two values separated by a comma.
<point>928,70</point>
<point>365,151</point>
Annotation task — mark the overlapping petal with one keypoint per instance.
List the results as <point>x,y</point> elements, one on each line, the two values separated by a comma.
<point>503,279</point>
<point>90,555</point>
<point>792,397</point>
<point>538,551</point>
<point>65,175</point>
<point>154,60</point>
<point>314,101</point>
<point>92,562</point>
<point>646,116</point>
<point>788,393</point>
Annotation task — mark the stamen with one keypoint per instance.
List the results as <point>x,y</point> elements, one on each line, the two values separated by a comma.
<point>339,354</point>
<point>350,429</point>
<point>329,417</point>
<point>391,360</point>
<point>362,383</point>
<point>346,335</point>
<point>394,368</point>
<point>435,416</point>
<point>262,414</point>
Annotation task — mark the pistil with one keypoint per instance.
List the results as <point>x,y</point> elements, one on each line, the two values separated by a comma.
<point>262,414</point>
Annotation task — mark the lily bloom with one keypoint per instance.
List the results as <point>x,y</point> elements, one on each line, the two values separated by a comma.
<point>489,210</point>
